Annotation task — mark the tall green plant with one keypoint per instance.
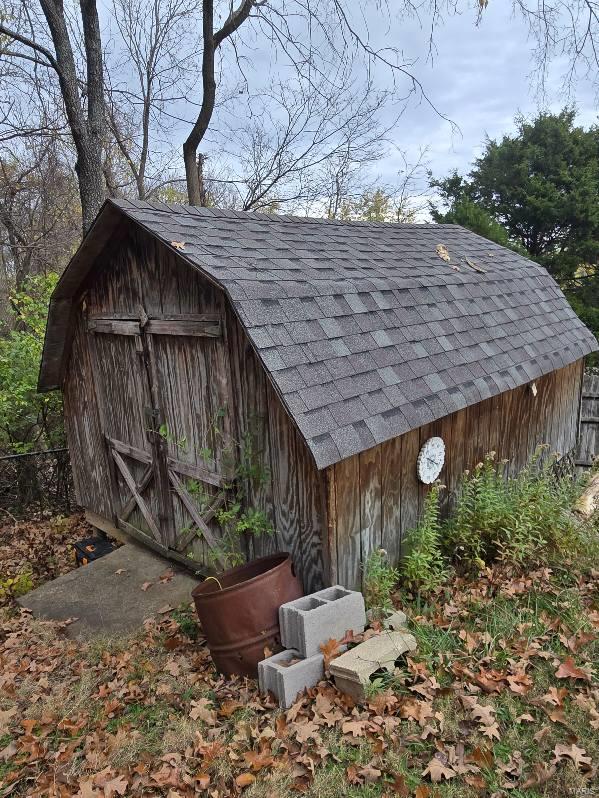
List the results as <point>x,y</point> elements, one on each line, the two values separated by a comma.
<point>28,420</point>
<point>517,519</point>
<point>424,567</point>
<point>380,579</point>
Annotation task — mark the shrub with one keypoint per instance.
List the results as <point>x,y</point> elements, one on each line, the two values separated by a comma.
<point>518,519</point>
<point>28,420</point>
<point>380,579</point>
<point>424,566</point>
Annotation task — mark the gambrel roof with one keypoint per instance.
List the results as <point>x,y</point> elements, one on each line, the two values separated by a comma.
<point>365,330</point>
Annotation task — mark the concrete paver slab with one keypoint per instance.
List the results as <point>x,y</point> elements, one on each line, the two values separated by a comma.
<point>352,670</point>
<point>109,603</point>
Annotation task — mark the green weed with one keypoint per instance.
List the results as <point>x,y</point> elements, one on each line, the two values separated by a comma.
<point>380,579</point>
<point>516,519</point>
<point>424,566</point>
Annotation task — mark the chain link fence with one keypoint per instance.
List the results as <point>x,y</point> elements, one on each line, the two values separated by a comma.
<point>36,484</point>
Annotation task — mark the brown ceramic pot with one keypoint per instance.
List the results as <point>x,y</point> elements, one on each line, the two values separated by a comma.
<point>240,613</point>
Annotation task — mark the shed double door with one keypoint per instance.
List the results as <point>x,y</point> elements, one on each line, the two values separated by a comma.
<point>162,390</point>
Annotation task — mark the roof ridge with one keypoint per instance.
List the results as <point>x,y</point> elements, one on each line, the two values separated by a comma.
<point>195,210</point>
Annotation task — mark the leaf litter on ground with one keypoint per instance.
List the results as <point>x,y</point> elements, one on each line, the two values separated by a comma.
<point>490,702</point>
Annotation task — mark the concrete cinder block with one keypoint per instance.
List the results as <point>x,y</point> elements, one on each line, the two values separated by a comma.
<point>352,670</point>
<point>287,681</point>
<point>311,620</point>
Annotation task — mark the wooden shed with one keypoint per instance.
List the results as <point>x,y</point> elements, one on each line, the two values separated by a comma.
<point>331,351</point>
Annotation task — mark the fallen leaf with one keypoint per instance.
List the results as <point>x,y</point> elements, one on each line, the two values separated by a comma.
<point>202,710</point>
<point>354,727</point>
<point>146,586</point>
<point>491,731</point>
<point>116,786</point>
<point>399,786</point>
<point>443,253</point>
<point>557,715</point>
<point>245,779</point>
<point>490,681</point>
<point>369,774</point>
<point>228,708</point>
<point>178,245</point>
<point>438,771</point>
<point>519,683</point>
<point>573,752</point>
<point>5,718</point>
<point>525,717</point>
<point>474,266</point>
<point>540,775</point>
<point>330,650</point>
<point>569,670</point>
<point>483,757</point>
<point>257,760</point>
<point>555,696</point>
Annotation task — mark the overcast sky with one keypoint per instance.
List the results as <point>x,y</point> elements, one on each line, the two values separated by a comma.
<point>481,77</point>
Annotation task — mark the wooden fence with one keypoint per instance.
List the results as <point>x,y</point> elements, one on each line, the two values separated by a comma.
<point>588,446</point>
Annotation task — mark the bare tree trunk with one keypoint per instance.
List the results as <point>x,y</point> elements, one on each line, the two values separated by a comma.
<point>86,119</point>
<point>211,43</point>
<point>91,182</point>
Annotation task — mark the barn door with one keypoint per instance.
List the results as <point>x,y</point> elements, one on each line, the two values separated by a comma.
<point>163,389</point>
<point>190,370</point>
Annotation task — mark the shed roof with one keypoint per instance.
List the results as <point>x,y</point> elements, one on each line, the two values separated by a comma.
<point>365,330</point>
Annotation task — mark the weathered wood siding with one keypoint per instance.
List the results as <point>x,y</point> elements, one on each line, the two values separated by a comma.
<point>292,491</point>
<point>376,497</point>
<point>91,476</point>
<point>108,390</point>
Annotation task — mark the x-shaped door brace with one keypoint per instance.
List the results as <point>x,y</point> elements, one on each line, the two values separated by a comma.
<point>138,487</point>
<point>200,521</point>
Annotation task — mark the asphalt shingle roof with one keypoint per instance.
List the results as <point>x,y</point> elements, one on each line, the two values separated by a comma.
<point>364,329</point>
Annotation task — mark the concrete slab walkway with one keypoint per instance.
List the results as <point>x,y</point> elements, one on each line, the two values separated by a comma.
<point>107,596</point>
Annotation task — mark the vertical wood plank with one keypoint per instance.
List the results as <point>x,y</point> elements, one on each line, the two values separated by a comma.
<point>89,462</point>
<point>330,514</point>
<point>283,458</point>
<point>310,517</point>
<point>391,459</point>
<point>347,482</point>
<point>370,502</point>
<point>409,483</point>
<point>251,418</point>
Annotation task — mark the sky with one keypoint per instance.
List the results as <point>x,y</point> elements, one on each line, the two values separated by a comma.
<point>478,76</point>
